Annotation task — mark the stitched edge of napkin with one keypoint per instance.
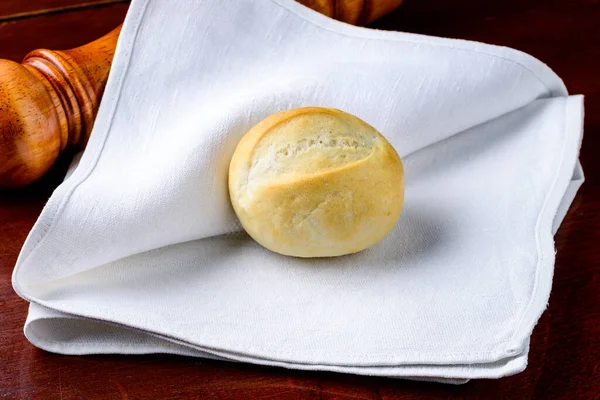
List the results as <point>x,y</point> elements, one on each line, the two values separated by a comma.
<point>159,344</point>
<point>543,73</point>
<point>573,125</point>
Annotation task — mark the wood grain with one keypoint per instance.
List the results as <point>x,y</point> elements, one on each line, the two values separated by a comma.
<point>356,12</point>
<point>48,104</point>
<point>564,361</point>
<point>58,31</point>
<point>17,9</point>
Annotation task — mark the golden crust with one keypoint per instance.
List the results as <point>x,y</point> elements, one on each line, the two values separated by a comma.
<point>316,182</point>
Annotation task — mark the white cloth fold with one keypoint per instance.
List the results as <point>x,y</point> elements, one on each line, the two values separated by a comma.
<point>138,251</point>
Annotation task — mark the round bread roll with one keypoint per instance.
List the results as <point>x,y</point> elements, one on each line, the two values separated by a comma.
<point>316,182</point>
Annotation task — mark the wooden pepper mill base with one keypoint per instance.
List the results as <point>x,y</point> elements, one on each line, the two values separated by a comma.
<point>48,103</point>
<point>50,100</point>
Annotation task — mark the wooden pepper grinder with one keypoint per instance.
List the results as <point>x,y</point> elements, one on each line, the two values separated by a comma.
<point>49,102</point>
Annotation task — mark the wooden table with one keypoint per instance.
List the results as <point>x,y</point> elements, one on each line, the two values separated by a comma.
<point>564,361</point>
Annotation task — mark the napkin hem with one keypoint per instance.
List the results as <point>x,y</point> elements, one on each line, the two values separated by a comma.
<point>346,29</point>
<point>436,371</point>
<point>573,125</point>
<point>416,357</point>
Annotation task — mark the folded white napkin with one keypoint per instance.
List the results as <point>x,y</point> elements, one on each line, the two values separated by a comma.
<point>138,251</point>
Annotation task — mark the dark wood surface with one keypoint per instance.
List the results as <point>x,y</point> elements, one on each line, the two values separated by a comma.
<point>21,9</point>
<point>564,361</point>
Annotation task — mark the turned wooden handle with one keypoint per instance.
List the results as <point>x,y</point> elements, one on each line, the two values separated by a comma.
<point>49,102</point>
<point>355,12</point>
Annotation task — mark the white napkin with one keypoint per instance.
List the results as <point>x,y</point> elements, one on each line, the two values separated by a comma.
<point>137,251</point>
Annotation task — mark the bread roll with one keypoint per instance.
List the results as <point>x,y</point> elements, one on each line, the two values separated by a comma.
<point>316,182</point>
